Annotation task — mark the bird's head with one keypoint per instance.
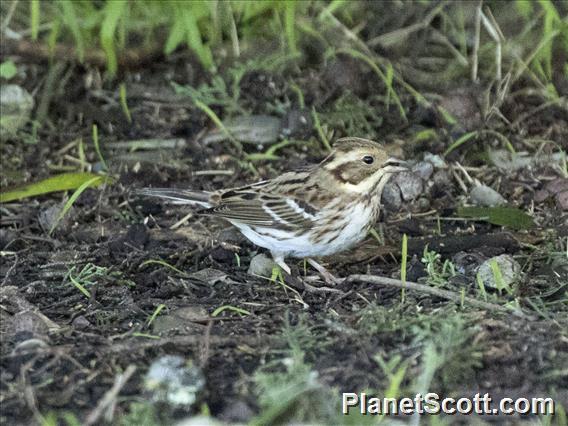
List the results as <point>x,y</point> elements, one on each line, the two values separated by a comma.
<point>360,165</point>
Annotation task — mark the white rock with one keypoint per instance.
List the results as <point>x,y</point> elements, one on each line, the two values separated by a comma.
<point>485,196</point>
<point>261,265</point>
<point>435,159</point>
<point>509,268</point>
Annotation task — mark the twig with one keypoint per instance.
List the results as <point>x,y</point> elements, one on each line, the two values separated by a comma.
<point>37,51</point>
<point>109,398</point>
<point>131,345</point>
<point>11,268</point>
<point>444,294</point>
<point>474,53</point>
<point>390,38</point>
<point>182,221</point>
<point>213,172</point>
<point>204,352</point>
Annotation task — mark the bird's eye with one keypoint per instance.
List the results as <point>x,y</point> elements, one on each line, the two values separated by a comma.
<point>367,159</point>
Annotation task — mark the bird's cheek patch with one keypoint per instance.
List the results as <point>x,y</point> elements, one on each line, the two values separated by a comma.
<point>351,173</point>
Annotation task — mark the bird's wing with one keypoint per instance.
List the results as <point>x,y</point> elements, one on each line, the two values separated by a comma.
<point>252,206</point>
<point>177,196</point>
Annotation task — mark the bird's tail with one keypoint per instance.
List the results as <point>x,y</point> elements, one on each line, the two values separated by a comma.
<point>177,196</point>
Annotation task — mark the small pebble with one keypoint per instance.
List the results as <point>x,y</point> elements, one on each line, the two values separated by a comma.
<point>173,380</point>
<point>411,186</point>
<point>441,179</point>
<point>48,217</point>
<point>81,323</point>
<point>254,129</point>
<point>261,265</point>
<point>467,263</point>
<point>484,196</point>
<point>391,198</point>
<point>182,319</point>
<point>509,268</point>
<point>16,105</point>
<point>424,169</point>
<point>423,204</point>
<point>558,188</point>
<point>437,161</point>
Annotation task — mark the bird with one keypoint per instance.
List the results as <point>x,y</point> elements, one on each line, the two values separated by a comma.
<point>315,211</point>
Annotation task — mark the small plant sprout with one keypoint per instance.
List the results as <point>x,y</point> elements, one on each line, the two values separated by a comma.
<point>395,370</point>
<point>72,199</point>
<point>481,286</point>
<point>438,272</point>
<point>498,277</point>
<point>321,133</point>
<point>155,314</point>
<point>123,103</point>
<point>404,257</point>
<point>98,147</point>
<point>162,263</point>
<point>220,309</point>
<point>86,277</point>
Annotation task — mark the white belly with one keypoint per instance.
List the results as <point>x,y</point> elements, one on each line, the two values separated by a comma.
<point>347,233</point>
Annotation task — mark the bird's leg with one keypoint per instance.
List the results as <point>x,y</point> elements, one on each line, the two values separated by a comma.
<point>279,260</point>
<point>325,274</point>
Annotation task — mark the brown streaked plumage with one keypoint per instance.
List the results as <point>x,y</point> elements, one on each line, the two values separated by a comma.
<point>314,212</point>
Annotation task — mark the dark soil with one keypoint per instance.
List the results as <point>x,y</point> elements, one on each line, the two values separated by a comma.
<point>63,350</point>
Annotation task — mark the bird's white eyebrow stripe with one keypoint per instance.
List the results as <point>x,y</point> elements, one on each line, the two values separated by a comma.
<point>299,209</point>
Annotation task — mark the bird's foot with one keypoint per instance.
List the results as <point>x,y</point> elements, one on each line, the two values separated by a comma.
<point>283,266</point>
<point>327,276</point>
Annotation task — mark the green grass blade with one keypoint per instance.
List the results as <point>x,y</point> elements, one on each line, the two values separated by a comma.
<point>71,20</point>
<point>62,182</point>
<point>80,287</point>
<point>177,32</point>
<point>215,118</point>
<point>388,82</point>
<point>155,314</point>
<point>290,26</point>
<point>459,142</point>
<point>503,216</point>
<point>113,11</point>
<point>123,103</point>
<point>319,129</point>
<point>404,257</point>
<point>162,263</point>
<point>194,40</point>
<point>72,200</point>
<point>98,147</point>
<point>220,309</point>
<point>34,18</point>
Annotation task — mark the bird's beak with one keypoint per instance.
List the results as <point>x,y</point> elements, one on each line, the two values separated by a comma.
<point>394,165</point>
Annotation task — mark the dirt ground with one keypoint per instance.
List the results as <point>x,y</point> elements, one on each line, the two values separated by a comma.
<point>275,351</point>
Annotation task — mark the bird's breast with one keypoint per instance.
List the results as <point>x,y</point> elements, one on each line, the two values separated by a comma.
<point>344,227</point>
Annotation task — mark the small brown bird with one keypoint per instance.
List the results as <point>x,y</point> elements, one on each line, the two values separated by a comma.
<point>317,211</point>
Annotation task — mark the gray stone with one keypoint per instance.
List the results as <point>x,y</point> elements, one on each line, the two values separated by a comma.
<point>254,129</point>
<point>485,196</point>
<point>173,380</point>
<point>391,198</point>
<point>508,267</point>
<point>441,179</point>
<point>437,161</point>
<point>16,105</point>
<point>261,265</point>
<point>411,186</point>
<point>424,169</point>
